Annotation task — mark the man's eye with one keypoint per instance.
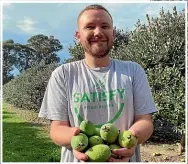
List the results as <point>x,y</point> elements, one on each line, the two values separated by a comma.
<point>105,27</point>
<point>90,27</point>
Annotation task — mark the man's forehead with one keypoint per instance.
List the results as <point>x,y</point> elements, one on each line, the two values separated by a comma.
<point>95,14</point>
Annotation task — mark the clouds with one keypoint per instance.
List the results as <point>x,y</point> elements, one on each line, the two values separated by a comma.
<point>53,17</point>
<point>154,10</point>
<point>27,25</point>
<point>20,19</point>
<point>23,20</point>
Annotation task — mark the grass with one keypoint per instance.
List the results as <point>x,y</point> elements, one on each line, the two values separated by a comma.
<point>25,142</point>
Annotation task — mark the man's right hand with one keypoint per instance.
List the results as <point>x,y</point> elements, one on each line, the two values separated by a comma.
<point>80,156</point>
<point>61,134</point>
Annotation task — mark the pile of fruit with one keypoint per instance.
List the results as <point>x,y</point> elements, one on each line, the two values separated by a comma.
<point>98,143</point>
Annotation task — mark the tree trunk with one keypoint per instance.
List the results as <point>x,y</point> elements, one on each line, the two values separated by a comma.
<point>182,144</point>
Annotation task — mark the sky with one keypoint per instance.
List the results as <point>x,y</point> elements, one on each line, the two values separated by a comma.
<point>23,20</point>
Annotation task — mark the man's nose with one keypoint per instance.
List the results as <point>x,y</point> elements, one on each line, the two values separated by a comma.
<point>98,31</point>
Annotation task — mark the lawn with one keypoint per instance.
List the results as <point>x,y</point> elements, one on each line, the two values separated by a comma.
<point>24,141</point>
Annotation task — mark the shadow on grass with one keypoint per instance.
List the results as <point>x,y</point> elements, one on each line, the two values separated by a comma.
<point>6,117</point>
<point>24,143</point>
<point>5,112</point>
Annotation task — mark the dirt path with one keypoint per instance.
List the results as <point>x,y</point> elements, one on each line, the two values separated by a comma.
<point>154,152</point>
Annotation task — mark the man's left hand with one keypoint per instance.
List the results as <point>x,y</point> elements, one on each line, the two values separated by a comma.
<point>124,153</point>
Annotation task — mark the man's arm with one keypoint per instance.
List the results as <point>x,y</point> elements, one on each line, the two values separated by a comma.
<point>61,132</point>
<point>142,127</point>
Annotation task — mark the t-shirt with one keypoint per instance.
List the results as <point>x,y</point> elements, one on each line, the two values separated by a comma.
<point>112,94</point>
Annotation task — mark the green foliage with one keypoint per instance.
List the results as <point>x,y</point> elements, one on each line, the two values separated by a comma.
<point>28,89</point>
<point>39,50</point>
<point>168,88</point>
<point>122,38</point>
<point>76,53</point>
<point>44,49</point>
<point>161,41</point>
<point>159,47</point>
<point>8,60</point>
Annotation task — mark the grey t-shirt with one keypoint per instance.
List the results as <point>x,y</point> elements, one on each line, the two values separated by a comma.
<point>112,94</point>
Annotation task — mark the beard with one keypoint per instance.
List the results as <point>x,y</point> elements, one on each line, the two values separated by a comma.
<point>97,49</point>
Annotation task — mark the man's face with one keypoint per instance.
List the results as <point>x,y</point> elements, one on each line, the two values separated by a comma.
<point>95,32</point>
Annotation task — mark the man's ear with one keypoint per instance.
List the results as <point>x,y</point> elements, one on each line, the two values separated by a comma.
<point>77,35</point>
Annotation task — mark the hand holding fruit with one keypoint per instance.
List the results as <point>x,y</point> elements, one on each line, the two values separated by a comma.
<point>122,154</point>
<point>78,146</point>
<point>128,142</point>
<point>80,156</point>
<point>104,144</point>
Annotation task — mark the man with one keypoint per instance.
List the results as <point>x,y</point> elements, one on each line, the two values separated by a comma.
<point>98,89</point>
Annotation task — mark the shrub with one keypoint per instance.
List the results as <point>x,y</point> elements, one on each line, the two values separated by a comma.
<point>27,90</point>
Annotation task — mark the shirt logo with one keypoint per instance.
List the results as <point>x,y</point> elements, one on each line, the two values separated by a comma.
<point>95,100</point>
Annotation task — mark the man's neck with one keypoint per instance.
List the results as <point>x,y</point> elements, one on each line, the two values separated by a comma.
<point>93,62</point>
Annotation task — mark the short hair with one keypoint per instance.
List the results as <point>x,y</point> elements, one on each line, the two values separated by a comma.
<point>94,7</point>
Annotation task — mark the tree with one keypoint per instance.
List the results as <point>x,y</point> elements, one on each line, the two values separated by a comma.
<point>164,36</point>
<point>44,49</point>
<point>121,38</point>
<point>76,52</point>
<point>8,60</point>
<point>40,50</point>
<point>24,57</point>
<point>27,90</point>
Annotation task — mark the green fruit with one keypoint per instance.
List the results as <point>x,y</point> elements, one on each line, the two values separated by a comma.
<point>95,140</point>
<point>79,142</point>
<point>97,131</point>
<point>98,153</point>
<point>109,133</point>
<point>87,128</point>
<point>126,139</point>
<point>114,146</point>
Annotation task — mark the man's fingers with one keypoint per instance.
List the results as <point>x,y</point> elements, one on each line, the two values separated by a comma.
<point>111,159</point>
<point>125,152</point>
<point>76,131</point>
<point>80,156</point>
<point>121,152</point>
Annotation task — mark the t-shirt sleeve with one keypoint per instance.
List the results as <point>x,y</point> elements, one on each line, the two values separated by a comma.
<point>142,96</point>
<point>55,105</point>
